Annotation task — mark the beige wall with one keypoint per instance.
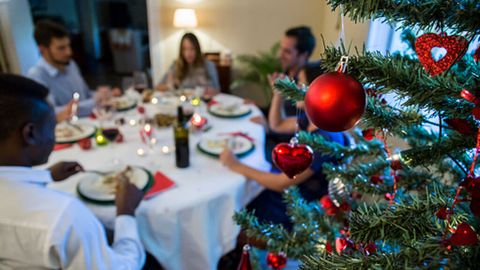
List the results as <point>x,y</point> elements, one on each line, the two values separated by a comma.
<point>242,26</point>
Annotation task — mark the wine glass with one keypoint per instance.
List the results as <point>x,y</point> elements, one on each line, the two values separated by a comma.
<point>140,82</point>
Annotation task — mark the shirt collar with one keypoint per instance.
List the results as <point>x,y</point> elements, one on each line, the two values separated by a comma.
<point>25,174</point>
<point>51,70</point>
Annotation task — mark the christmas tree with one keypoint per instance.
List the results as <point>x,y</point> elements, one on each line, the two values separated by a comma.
<point>419,207</point>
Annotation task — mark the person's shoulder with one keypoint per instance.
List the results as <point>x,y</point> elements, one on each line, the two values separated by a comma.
<point>209,64</point>
<point>37,72</point>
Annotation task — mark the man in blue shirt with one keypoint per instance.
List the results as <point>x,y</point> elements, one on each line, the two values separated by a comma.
<point>60,74</point>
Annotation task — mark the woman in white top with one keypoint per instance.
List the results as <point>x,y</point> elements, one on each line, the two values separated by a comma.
<point>191,69</point>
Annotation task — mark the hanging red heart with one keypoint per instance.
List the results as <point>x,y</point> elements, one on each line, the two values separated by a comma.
<point>464,236</point>
<point>292,159</point>
<point>456,46</point>
<point>276,261</point>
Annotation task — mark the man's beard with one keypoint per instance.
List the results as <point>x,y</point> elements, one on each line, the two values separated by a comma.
<point>63,63</point>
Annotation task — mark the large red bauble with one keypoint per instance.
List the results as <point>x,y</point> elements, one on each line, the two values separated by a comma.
<point>335,101</point>
<point>276,261</point>
<point>464,236</point>
<point>292,159</point>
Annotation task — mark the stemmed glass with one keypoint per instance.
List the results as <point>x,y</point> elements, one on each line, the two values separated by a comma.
<point>140,82</point>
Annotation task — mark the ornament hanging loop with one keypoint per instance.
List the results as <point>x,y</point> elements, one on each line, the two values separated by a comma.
<point>342,64</point>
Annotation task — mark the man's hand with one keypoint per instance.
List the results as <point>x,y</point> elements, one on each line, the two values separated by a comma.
<point>103,95</point>
<point>127,197</point>
<point>273,77</point>
<point>66,112</point>
<point>64,169</point>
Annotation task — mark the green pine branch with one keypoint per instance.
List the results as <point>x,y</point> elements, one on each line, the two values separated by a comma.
<point>427,15</point>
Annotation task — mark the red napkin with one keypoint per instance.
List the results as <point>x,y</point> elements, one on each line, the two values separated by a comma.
<point>212,102</point>
<point>160,183</point>
<point>61,146</point>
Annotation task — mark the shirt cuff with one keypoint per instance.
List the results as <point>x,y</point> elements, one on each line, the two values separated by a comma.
<point>126,227</point>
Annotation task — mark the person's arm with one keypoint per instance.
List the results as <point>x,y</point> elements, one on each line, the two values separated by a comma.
<point>80,240</point>
<point>168,80</point>
<point>213,75</point>
<point>277,121</point>
<point>272,181</point>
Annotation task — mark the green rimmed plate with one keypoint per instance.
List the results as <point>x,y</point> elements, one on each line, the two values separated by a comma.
<point>213,146</point>
<point>66,133</point>
<point>229,111</point>
<point>94,188</point>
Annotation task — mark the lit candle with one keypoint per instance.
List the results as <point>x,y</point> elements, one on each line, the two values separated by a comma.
<point>148,129</point>
<point>198,121</point>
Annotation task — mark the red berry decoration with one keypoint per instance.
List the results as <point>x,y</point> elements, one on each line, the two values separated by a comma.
<point>292,159</point>
<point>456,46</point>
<point>370,249</point>
<point>464,236</point>
<point>85,144</point>
<point>368,134</point>
<point>335,101</point>
<point>141,109</point>
<point>376,179</point>
<point>442,213</point>
<point>276,261</point>
<point>476,55</point>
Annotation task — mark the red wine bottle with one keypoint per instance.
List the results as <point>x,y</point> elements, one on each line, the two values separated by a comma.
<point>180,132</point>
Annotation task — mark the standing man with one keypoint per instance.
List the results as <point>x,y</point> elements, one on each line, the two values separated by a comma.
<point>60,74</point>
<point>42,228</point>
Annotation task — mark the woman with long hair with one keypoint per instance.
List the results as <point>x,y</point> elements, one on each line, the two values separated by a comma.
<point>191,69</point>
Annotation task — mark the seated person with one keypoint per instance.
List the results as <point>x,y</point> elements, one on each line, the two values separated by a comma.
<point>42,228</point>
<point>191,69</point>
<point>60,74</point>
<point>269,205</point>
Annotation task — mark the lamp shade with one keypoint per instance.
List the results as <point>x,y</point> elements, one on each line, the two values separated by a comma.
<point>185,18</point>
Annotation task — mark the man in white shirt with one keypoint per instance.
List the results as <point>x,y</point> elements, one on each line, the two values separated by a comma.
<point>60,74</point>
<point>41,228</point>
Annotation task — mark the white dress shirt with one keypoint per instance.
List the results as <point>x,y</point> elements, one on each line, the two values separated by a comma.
<point>62,85</point>
<point>46,229</point>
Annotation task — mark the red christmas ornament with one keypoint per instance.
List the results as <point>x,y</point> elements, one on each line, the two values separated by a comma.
<point>476,55</point>
<point>328,247</point>
<point>276,261</point>
<point>475,207</point>
<point>442,213</point>
<point>291,158</point>
<point>456,46</point>
<point>396,165</point>
<point>335,101</point>
<point>370,249</point>
<point>330,208</point>
<point>245,263</point>
<point>85,144</point>
<point>340,244</point>
<point>368,134</point>
<point>460,125</point>
<point>389,196</point>
<point>464,236</point>
<point>376,179</point>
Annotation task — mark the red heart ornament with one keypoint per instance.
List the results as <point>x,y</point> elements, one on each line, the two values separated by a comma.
<point>456,46</point>
<point>292,159</point>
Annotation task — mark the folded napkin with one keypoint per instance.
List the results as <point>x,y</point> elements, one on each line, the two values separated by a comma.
<point>160,183</point>
<point>212,102</point>
<point>62,146</point>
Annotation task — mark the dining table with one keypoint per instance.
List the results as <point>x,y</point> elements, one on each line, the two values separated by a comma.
<point>189,225</point>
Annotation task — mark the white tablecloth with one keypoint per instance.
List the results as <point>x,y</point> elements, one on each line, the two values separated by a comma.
<point>189,226</point>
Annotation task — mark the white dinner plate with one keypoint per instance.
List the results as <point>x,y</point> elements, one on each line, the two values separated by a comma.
<point>214,146</point>
<point>229,110</point>
<point>124,103</point>
<point>71,133</point>
<point>99,188</point>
